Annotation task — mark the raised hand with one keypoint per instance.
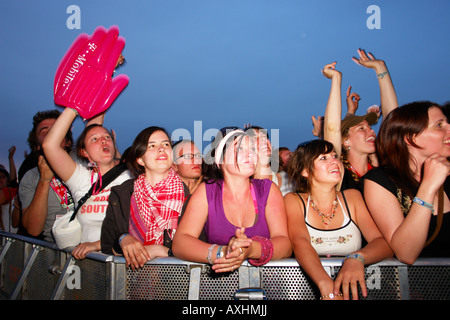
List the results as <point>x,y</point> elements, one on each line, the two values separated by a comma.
<point>317,126</point>
<point>352,101</point>
<point>83,79</point>
<point>329,70</point>
<point>369,61</point>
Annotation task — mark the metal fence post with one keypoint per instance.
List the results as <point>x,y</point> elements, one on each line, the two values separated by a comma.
<point>61,284</point>
<point>25,271</point>
<point>195,272</point>
<point>403,282</point>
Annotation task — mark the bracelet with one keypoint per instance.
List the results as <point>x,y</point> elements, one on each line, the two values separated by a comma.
<point>356,256</point>
<point>381,75</point>
<point>266,251</point>
<point>424,204</point>
<point>331,296</point>
<point>219,254</point>
<point>122,236</point>
<point>210,252</point>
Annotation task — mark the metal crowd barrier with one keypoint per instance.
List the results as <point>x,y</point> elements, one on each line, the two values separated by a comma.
<point>37,270</point>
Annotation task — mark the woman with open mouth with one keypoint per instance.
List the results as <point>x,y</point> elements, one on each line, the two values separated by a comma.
<point>325,222</point>
<point>353,137</point>
<point>86,179</point>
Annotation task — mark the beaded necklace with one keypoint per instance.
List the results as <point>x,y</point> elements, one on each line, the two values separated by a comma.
<point>322,215</point>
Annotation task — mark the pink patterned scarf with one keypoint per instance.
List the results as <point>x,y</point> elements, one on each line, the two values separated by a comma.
<point>154,209</point>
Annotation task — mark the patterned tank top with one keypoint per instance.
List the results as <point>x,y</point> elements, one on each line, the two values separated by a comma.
<point>335,242</point>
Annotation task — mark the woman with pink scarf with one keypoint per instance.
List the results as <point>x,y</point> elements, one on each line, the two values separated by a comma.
<point>143,213</point>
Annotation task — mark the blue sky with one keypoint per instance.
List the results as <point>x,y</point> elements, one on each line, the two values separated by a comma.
<point>198,65</point>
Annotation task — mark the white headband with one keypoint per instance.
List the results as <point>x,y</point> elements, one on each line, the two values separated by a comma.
<point>221,146</point>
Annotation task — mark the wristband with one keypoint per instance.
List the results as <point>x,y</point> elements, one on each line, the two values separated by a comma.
<point>76,111</point>
<point>266,251</point>
<point>219,254</point>
<point>424,204</point>
<point>208,257</point>
<point>381,75</point>
<point>356,256</point>
<point>122,236</point>
<point>331,296</point>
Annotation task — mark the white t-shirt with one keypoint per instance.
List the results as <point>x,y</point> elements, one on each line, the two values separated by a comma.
<point>93,211</point>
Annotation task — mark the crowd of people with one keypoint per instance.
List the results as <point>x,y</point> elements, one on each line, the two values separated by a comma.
<point>242,200</point>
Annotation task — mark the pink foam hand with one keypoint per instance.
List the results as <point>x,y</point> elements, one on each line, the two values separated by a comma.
<point>83,79</point>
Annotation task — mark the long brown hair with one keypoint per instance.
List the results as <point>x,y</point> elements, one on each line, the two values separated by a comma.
<point>397,131</point>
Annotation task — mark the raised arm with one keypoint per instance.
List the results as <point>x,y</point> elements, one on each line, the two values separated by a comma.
<point>333,111</point>
<point>12,166</point>
<point>58,158</point>
<point>387,92</point>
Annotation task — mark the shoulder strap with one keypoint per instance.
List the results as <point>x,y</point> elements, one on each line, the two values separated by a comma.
<point>303,202</point>
<point>106,180</point>
<point>346,206</point>
<point>440,215</point>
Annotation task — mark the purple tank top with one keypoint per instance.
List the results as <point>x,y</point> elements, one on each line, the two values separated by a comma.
<point>218,229</point>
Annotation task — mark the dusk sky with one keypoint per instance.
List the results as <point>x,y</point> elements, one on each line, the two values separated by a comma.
<point>196,66</point>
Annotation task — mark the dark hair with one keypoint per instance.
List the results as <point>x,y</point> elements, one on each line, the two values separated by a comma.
<point>303,159</point>
<point>255,130</point>
<point>398,130</point>
<point>279,162</point>
<point>139,147</point>
<point>32,140</point>
<point>81,144</point>
<point>179,142</point>
<point>210,170</point>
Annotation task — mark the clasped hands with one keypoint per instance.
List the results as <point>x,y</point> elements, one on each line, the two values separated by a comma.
<point>237,250</point>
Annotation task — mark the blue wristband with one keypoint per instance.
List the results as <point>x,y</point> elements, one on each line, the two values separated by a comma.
<point>424,204</point>
<point>219,252</point>
<point>122,236</point>
<point>356,256</point>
